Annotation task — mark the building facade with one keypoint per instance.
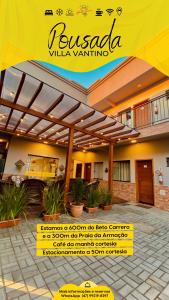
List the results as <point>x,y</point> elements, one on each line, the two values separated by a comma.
<point>136,95</point>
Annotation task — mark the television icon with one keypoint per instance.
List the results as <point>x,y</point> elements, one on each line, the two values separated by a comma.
<point>48,12</point>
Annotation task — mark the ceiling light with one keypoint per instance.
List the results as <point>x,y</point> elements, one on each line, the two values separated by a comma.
<point>51,116</point>
<point>40,138</point>
<point>12,93</point>
<point>134,141</point>
<point>2,116</point>
<point>45,142</point>
<point>81,120</point>
<point>139,85</point>
<point>101,133</point>
<point>21,120</point>
<point>56,143</point>
<point>18,134</point>
<point>1,140</point>
<point>119,139</point>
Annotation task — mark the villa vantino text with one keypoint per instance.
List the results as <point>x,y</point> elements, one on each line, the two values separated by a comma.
<point>60,44</point>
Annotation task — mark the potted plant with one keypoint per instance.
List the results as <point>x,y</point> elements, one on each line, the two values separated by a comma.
<point>106,199</point>
<point>53,201</point>
<point>76,206</point>
<point>93,199</point>
<point>12,204</point>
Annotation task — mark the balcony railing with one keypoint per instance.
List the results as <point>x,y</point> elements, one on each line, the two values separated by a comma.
<point>150,112</point>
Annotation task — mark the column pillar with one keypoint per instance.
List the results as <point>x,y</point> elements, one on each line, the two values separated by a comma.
<point>68,162</point>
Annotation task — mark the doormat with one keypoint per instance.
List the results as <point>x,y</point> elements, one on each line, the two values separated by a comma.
<point>144,206</point>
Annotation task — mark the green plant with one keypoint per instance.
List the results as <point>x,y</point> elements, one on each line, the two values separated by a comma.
<point>106,196</point>
<point>12,202</point>
<point>93,197</point>
<point>78,189</point>
<point>53,199</point>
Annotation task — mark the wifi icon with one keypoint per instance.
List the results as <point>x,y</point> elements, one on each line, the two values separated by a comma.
<point>110,11</point>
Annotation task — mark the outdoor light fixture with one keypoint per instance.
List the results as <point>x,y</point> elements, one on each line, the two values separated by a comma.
<point>2,116</point>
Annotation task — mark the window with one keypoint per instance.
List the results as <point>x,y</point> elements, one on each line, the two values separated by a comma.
<point>42,167</point>
<point>98,170</point>
<point>121,170</point>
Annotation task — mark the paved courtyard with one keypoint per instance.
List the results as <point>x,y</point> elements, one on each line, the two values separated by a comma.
<point>143,276</point>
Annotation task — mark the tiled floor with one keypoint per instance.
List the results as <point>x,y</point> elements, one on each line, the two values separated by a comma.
<point>142,276</point>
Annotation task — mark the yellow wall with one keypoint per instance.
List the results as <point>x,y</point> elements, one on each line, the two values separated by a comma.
<point>139,98</point>
<point>19,149</point>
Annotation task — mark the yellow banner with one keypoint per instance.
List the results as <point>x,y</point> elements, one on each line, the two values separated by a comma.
<point>87,290</point>
<point>82,36</point>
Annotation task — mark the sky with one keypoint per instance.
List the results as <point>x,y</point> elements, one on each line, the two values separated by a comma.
<point>86,79</point>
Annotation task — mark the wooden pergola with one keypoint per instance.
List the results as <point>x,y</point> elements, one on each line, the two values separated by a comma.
<point>34,109</point>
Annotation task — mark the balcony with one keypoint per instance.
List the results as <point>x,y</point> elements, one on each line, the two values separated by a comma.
<point>151,112</point>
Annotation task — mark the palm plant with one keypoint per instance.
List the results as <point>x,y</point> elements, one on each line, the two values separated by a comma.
<point>53,199</point>
<point>13,201</point>
<point>106,196</point>
<point>78,189</point>
<point>93,198</point>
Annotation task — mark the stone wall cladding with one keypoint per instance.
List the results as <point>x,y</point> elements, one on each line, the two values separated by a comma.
<point>122,190</point>
<point>127,191</point>
<point>161,201</point>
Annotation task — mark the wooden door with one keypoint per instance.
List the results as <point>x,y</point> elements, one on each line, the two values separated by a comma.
<point>142,114</point>
<point>87,172</point>
<point>144,175</point>
<point>78,170</point>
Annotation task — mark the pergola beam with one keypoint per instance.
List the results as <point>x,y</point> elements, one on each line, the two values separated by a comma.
<point>43,116</point>
<point>104,126</point>
<point>57,101</point>
<point>70,111</point>
<point>37,92</point>
<point>16,97</point>
<point>94,122</point>
<point>84,117</point>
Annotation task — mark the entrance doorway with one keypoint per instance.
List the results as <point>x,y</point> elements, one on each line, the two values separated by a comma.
<point>144,178</point>
<point>79,171</point>
<point>87,172</point>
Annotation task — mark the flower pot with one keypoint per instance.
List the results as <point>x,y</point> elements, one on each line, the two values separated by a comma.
<point>107,207</point>
<point>76,210</point>
<point>53,217</point>
<point>9,223</point>
<point>91,210</point>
